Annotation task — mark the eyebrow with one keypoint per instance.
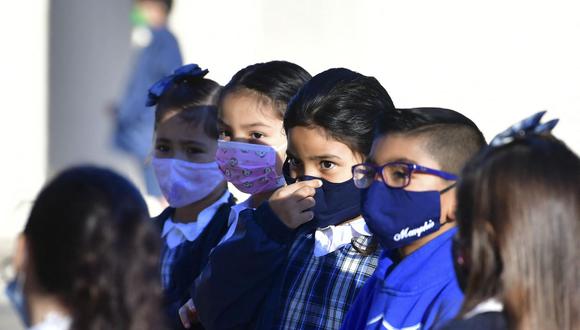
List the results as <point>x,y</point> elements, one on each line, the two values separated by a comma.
<point>195,143</point>
<point>402,160</point>
<point>322,157</point>
<point>254,125</point>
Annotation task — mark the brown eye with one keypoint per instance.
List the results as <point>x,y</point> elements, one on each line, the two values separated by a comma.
<point>327,165</point>
<point>162,148</point>
<point>256,135</point>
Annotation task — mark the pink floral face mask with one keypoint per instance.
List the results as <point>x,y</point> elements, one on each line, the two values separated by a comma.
<point>249,167</point>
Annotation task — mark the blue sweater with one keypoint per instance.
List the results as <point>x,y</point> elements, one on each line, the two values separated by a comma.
<point>265,277</point>
<point>190,258</point>
<point>417,292</point>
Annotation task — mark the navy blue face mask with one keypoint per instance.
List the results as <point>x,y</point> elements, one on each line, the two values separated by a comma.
<point>335,202</point>
<point>15,294</point>
<point>398,217</point>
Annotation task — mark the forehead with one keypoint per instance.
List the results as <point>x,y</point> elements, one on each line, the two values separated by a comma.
<point>400,147</point>
<point>172,126</point>
<point>313,141</point>
<point>247,107</point>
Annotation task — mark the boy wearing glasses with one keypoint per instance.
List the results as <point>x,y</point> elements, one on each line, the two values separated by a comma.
<point>409,204</point>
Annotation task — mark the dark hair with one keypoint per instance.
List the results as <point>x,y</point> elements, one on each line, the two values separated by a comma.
<point>344,103</point>
<point>91,245</point>
<point>518,215</point>
<point>195,99</point>
<point>276,81</point>
<point>450,137</point>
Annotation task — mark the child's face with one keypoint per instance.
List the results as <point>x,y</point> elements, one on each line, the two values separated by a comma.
<point>247,117</point>
<point>176,138</point>
<point>312,152</point>
<point>401,148</point>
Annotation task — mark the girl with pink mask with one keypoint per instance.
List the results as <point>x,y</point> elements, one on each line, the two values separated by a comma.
<point>252,141</point>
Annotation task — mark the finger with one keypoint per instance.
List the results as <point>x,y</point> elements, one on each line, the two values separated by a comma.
<point>184,317</point>
<point>303,193</point>
<point>304,217</point>
<point>300,184</point>
<point>306,203</point>
<point>192,315</point>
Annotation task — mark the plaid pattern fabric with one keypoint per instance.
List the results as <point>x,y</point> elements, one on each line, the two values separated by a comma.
<point>167,265</point>
<point>318,291</point>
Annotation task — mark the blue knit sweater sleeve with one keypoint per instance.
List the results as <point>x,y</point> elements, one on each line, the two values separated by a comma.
<point>231,290</point>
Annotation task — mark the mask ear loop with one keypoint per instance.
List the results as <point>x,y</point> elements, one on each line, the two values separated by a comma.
<point>448,188</point>
<point>441,193</point>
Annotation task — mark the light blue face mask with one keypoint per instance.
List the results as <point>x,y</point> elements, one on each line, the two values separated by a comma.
<point>15,293</point>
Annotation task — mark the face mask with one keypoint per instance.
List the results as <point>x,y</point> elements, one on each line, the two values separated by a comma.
<point>397,216</point>
<point>249,167</point>
<point>183,183</point>
<point>15,293</point>
<point>335,202</point>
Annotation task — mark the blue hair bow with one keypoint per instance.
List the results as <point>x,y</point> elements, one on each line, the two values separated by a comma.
<point>527,127</point>
<point>189,70</point>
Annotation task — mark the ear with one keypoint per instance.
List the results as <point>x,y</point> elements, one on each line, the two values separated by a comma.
<point>448,206</point>
<point>20,259</point>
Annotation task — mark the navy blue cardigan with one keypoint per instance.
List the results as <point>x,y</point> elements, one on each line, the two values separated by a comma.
<point>190,259</point>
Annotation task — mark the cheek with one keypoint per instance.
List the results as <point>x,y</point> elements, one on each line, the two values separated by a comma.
<point>339,174</point>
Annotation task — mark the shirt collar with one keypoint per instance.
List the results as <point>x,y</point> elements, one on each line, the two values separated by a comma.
<point>331,238</point>
<point>176,233</point>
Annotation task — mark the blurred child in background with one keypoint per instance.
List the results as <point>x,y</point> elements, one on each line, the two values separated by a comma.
<point>88,257</point>
<point>517,254</point>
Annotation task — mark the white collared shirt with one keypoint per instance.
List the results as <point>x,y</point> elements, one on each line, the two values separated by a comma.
<point>233,218</point>
<point>53,321</point>
<point>331,238</point>
<point>488,305</point>
<point>176,233</point>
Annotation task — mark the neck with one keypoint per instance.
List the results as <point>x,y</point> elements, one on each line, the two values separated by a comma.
<point>40,305</point>
<point>189,213</point>
<point>416,245</point>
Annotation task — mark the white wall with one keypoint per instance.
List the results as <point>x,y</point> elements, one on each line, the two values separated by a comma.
<point>23,131</point>
<point>495,61</point>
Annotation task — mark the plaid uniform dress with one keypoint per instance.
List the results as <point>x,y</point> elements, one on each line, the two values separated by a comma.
<point>318,291</point>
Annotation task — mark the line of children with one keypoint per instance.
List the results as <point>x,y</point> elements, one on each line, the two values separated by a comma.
<point>190,179</point>
<point>298,261</point>
<point>407,203</point>
<point>327,240</point>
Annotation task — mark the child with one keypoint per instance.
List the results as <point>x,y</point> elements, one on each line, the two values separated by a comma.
<point>252,143</point>
<point>189,177</point>
<point>88,256</point>
<point>409,205</point>
<point>276,273</point>
<point>517,247</point>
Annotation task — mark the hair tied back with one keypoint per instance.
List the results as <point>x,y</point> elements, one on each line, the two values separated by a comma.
<point>527,127</point>
<point>186,72</point>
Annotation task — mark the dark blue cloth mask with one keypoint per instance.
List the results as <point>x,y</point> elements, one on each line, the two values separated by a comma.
<point>335,202</point>
<point>398,217</point>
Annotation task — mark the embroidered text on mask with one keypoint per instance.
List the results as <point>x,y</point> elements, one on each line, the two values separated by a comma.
<point>414,232</point>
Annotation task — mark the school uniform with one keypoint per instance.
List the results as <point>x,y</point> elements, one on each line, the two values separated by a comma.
<point>267,276</point>
<point>186,251</point>
<point>419,291</point>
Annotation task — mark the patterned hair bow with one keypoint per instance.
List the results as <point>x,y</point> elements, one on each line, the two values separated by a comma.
<point>527,127</point>
<point>189,70</point>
